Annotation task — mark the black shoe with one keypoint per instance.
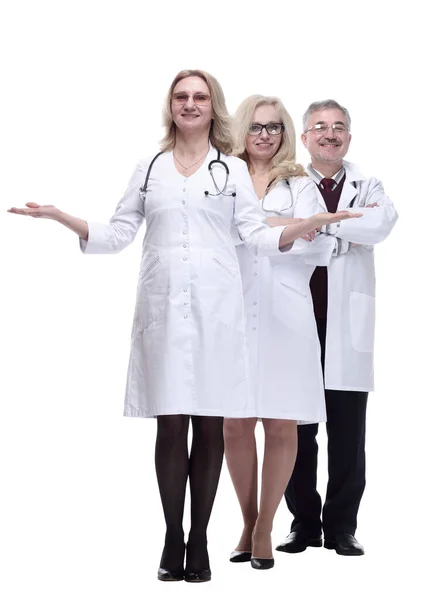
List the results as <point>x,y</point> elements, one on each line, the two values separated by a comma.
<point>262,563</point>
<point>172,556</point>
<point>197,566</point>
<point>198,576</point>
<point>166,575</point>
<point>345,544</point>
<point>297,541</point>
<point>238,556</point>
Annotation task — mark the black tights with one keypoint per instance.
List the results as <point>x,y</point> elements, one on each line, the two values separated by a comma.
<point>173,467</point>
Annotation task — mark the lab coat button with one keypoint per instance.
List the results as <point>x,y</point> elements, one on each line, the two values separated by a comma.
<point>184,258</point>
<point>183,201</point>
<point>254,303</point>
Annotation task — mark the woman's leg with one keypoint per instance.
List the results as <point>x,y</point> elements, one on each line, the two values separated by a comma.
<point>241,457</point>
<point>172,468</point>
<point>207,452</point>
<point>280,452</point>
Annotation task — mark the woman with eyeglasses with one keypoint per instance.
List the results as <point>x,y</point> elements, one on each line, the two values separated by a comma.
<point>188,358</point>
<point>281,328</point>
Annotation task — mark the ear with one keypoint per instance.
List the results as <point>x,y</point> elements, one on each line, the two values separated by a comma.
<point>304,139</point>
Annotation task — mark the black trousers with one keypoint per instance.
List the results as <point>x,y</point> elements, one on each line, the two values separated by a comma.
<point>346,413</point>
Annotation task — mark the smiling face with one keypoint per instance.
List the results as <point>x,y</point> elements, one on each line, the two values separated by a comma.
<point>331,146</point>
<point>191,106</point>
<point>264,146</point>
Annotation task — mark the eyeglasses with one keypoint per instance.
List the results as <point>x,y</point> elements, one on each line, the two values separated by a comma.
<point>271,128</point>
<point>321,128</point>
<point>199,98</point>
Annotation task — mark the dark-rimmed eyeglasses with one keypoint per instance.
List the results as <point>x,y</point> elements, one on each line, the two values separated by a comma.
<point>271,128</point>
<point>321,128</point>
<point>199,98</point>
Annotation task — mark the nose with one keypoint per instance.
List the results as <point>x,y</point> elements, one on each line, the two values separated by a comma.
<point>264,135</point>
<point>189,104</point>
<point>330,134</point>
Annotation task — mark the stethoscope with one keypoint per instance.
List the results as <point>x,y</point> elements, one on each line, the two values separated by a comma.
<point>271,210</point>
<point>217,161</point>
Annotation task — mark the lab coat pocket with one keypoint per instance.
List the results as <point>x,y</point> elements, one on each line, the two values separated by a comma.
<point>152,292</point>
<point>362,321</point>
<point>291,303</point>
<point>221,291</point>
<point>223,267</point>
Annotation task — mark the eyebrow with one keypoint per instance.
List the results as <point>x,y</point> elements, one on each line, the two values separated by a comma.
<point>189,93</point>
<point>325,122</point>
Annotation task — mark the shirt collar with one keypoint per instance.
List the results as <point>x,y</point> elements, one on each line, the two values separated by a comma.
<point>318,176</point>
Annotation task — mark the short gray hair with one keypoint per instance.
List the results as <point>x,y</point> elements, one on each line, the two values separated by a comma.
<point>322,105</point>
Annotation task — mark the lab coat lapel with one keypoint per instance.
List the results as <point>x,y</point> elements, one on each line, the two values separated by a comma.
<point>353,178</point>
<point>348,193</point>
<point>321,200</point>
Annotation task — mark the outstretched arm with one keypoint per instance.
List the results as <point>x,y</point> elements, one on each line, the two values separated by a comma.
<point>47,211</point>
<point>252,226</point>
<point>99,238</point>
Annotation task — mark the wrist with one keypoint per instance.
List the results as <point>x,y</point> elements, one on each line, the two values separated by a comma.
<point>58,215</point>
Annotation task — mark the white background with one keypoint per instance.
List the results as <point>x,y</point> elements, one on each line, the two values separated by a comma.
<point>83,84</point>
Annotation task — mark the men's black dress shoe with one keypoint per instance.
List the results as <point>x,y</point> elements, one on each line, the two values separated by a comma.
<point>166,575</point>
<point>297,541</point>
<point>262,563</point>
<point>198,576</point>
<point>345,544</point>
<point>239,556</point>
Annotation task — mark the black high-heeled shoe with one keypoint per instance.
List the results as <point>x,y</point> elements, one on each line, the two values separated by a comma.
<point>240,556</point>
<point>262,563</point>
<point>198,576</point>
<point>166,575</point>
<point>197,554</point>
<point>172,558</point>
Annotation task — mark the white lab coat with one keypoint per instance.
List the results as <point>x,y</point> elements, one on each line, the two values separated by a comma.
<point>351,283</point>
<point>188,345</point>
<point>281,327</point>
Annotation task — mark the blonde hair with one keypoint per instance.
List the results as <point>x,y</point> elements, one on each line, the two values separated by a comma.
<point>220,131</point>
<point>284,164</point>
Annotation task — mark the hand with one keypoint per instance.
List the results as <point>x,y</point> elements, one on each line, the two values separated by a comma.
<point>38,211</point>
<point>327,218</point>
<point>309,237</point>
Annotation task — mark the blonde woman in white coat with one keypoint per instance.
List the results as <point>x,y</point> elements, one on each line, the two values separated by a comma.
<point>188,359</point>
<point>281,328</point>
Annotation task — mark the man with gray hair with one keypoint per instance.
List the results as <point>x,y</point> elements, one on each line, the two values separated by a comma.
<point>344,303</point>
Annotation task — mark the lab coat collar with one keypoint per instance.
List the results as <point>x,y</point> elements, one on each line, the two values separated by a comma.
<point>349,191</point>
<point>352,172</point>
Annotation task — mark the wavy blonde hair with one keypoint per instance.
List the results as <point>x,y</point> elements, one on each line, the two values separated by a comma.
<point>220,130</point>
<point>284,164</point>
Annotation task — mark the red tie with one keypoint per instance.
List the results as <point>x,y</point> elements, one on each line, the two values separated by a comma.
<point>328,184</point>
